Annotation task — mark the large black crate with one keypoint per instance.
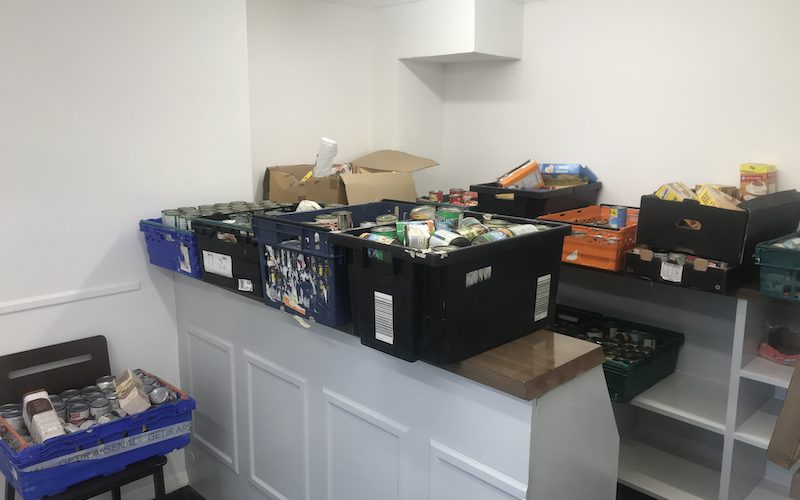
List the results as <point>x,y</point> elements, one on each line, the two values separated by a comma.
<point>444,308</point>
<point>520,203</point>
<point>229,253</point>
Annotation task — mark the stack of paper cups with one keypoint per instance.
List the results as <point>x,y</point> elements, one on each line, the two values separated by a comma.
<point>327,152</point>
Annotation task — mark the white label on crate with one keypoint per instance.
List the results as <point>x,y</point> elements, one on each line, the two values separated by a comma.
<point>671,272</point>
<point>245,285</point>
<point>186,266</point>
<point>542,297</point>
<point>478,276</point>
<point>217,263</point>
<point>384,318</point>
<point>112,448</point>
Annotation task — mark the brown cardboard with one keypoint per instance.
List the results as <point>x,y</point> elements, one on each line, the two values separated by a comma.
<point>380,175</point>
<point>784,446</point>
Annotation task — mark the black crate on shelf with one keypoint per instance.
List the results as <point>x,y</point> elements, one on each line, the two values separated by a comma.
<point>630,368</point>
<point>444,308</point>
<point>521,203</point>
<point>643,264</point>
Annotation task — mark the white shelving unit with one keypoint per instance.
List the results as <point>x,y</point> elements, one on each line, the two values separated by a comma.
<point>722,393</point>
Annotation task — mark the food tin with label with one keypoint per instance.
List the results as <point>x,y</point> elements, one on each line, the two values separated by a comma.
<point>401,227</point>
<point>490,237</point>
<point>495,223</point>
<point>448,218</point>
<point>470,221</point>
<point>94,395</point>
<point>151,381</point>
<point>160,395</point>
<point>170,217</point>
<point>472,232</point>
<point>386,219</point>
<point>520,229</point>
<point>444,249</point>
<point>9,407</point>
<point>89,389</point>
<point>437,196</point>
<point>388,231</point>
<point>69,393</point>
<point>14,418</point>
<point>380,238</point>
<point>104,383</point>
<point>344,219</point>
<point>456,195</point>
<point>147,389</point>
<point>423,212</point>
<point>54,398</point>
<point>99,407</point>
<point>113,401</point>
<point>617,217</point>
<point>443,237</point>
<point>80,398</point>
<point>416,236</point>
<point>328,220</point>
<point>61,410</point>
<point>78,413</point>
<point>368,223</point>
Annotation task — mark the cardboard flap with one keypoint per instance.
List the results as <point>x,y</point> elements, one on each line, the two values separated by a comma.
<point>363,188</point>
<point>393,161</point>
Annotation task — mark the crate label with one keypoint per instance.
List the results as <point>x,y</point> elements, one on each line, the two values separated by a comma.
<point>384,318</point>
<point>542,297</point>
<point>185,265</point>
<point>671,272</point>
<point>217,263</point>
<point>245,285</point>
<point>478,276</point>
<point>117,447</point>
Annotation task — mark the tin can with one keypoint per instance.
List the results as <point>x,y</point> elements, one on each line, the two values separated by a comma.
<point>9,407</point>
<point>170,217</point>
<point>344,219</point>
<point>160,395</point>
<point>55,398</point>
<point>79,399</point>
<point>69,393</point>
<point>14,419</point>
<point>444,249</point>
<point>328,220</point>
<point>368,223</point>
<point>151,381</point>
<point>470,221</point>
<point>99,407</point>
<point>489,237</point>
<point>401,227</point>
<point>95,395</point>
<point>388,231</point>
<point>472,231</point>
<point>505,231</point>
<point>416,236</point>
<point>77,414</point>
<point>520,229</point>
<point>61,410</point>
<point>113,401</point>
<point>90,389</point>
<point>443,237</point>
<point>147,389</point>
<point>448,218</point>
<point>456,195</point>
<point>437,196</point>
<point>380,238</point>
<point>105,382</point>
<point>423,212</point>
<point>617,217</point>
<point>492,223</point>
<point>386,219</point>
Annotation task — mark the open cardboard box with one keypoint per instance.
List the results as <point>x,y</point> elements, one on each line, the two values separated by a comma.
<point>380,175</point>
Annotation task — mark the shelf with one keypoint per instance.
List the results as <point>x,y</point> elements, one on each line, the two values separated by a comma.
<point>767,490</point>
<point>687,398</point>
<point>757,430</point>
<point>764,370</point>
<point>663,475</point>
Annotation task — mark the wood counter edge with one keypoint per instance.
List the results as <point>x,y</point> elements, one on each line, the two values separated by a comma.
<point>529,381</point>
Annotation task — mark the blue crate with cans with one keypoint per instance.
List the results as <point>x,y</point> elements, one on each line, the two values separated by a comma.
<point>171,248</point>
<point>779,260</point>
<point>42,470</point>
<point>302,271</point>
<point>637,356</point>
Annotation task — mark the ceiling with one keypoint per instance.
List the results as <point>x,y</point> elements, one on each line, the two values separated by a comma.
<point>370,4</point>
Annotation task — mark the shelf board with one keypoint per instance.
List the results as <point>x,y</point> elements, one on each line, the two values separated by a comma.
<point>769,490</point>
<point>687,398</point>
<point>763,370</point>
<point>664,475</point>
<point>757,430</point>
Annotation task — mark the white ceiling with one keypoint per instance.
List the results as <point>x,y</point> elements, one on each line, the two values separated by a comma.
<point>370,4</point>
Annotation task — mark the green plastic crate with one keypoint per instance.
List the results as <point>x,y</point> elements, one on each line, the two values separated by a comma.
<point>780,269</point>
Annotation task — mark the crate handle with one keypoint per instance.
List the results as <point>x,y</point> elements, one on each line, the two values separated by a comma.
<point>689,224</point>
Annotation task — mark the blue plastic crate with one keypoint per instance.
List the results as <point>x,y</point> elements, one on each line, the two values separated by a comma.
<point>780,269</point>
<point>58,463</point>
<point>172,248</point>
<point>310,281</point>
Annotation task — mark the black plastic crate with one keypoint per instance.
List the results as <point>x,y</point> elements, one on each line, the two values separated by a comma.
<point>444,308</point>
<point>780,268</point>
<point>521,203</point>
<point>310,279</point>
<point>629,368</point>
<point>229,253</point>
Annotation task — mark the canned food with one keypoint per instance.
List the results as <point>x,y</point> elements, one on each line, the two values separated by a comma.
<point>416,236</point>
<point>456,195</point>
<point>99,407</point>
<point>344,219</point>
<point>443,237</point>
<point>205,207</point>
<point>147,389</point>
<point>14,419</point>
<point>368,223</point>
<point>470,221</point>
<point>388,231</point>
<point>401,227</point>
<point>495,223</point>
<point>94,395</point>
<point>472,232</point>
<point>106,382</point>
<point>506,231</point>
<point>108,391</point>
<point>86,424</point>
<point>489,237</point>
<point>380,238</point>
<point>90,389</point>
<point>170,217</point>
<point>448,218</point>
<point>444,249</point>
<point>330,221</point>
<point>78,413</point>
<point>520,229</point>
<point>69,393</point>
<point>54,398</point>
<point>151,381</point>
<point>187,209</point>
<point>423,212</point>
<point>61,410</point>
<point>160,395</point>
<point>617,217</point>
<point>386,219</point>
<point>437,196</point>
<point>9,407</point>
<point>113,401</point>
<point>80,398</point>
<point>71,428</point>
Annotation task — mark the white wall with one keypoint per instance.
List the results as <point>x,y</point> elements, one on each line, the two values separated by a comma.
<point>112,111</point>
<point>310,77</point>
<point>643,92</point>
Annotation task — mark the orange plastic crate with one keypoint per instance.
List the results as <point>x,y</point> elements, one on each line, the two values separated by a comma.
<point>596,247</point>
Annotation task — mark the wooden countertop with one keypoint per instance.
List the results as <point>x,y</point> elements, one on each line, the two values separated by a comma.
<point>532,365</point>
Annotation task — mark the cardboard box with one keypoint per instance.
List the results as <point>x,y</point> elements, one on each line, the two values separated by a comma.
<point>380,175</point>
<point>675,191</point>
<point>784,445</point>
<point>716,233</point>
<point>699,274</point>
<point>757,179</point>
<point>711,196</point>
